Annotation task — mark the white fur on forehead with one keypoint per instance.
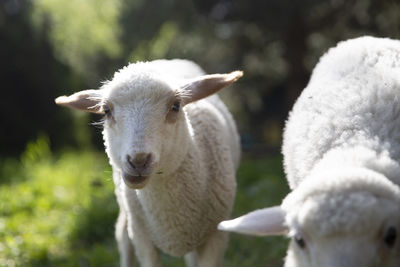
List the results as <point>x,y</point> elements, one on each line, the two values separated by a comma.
<point>354,213</point>
<point>173,72</point>
<point>143,80</point>
<point>338,202</point>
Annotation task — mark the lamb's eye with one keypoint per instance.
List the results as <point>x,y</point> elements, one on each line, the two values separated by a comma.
<point>176,106</point>
<point>107,110</point>
<point>299,241</point>
<point>390,236</point>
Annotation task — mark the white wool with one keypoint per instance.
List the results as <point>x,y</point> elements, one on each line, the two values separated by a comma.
<point>352,99</point>
<point>340,203</point>
<point>341,151</point>
<point>341,157</point>
<point>193,186</point>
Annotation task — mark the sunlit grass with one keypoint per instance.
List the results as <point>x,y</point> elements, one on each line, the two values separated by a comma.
<point>60,210</point>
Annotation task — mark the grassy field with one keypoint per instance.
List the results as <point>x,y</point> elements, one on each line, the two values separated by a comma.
<point>60,210</point>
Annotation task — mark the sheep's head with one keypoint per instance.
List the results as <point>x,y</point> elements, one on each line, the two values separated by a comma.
<point>145,127</point>
<point>339,221</point>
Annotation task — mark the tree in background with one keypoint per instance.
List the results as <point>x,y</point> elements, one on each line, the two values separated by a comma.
<point>55,47</point>
<point>279,43</point>
<point>31,76</point>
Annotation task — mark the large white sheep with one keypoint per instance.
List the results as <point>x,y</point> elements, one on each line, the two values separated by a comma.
<point>341,152</point>
<point>174,151</point>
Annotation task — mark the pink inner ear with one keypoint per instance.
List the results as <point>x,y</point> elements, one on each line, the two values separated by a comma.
<point>207,85</point>
<point>87,100</point>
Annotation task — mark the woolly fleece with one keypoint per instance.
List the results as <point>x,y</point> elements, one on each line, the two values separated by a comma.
<point>341,158</point>
<point>193,187</point>
<point>341,150</point>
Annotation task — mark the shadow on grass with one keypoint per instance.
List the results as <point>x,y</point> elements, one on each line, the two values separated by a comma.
<point>96,223</point>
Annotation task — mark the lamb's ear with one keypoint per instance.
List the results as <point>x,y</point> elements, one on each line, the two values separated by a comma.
<point>86,100</point>
<point>207,85</point>
<point>269,221</point>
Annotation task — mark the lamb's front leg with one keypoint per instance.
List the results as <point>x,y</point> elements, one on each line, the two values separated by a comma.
<point>212,252</point>
<point>146,253</point>
<point>125,247</point>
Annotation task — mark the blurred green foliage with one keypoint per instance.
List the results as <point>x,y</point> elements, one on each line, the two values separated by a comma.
<point>57,210</point>
<point>81,31</point>
<point>54,47</point>
<point>60,210</point>
<point>261,183</point>
<point>157,47</point>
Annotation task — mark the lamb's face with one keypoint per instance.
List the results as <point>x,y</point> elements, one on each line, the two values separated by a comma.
<point>343,219</point>
<point>143,129</point>
<point>357,229</point>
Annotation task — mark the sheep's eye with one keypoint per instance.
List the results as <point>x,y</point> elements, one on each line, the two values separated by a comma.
<point>299,241</point>
<point>390,236</point>
<point>176,106</point>
<point>106,110</point>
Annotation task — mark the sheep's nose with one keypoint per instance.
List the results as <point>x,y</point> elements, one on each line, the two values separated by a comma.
<point>140,162</point>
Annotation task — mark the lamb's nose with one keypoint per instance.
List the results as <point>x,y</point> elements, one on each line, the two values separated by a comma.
<point>140,162</point>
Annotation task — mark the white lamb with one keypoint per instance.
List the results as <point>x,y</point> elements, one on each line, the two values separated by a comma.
<point>341,156</point>
<point>174,150</point>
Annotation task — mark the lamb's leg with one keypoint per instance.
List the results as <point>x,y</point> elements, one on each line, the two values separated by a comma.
<point>191,259</point>
<point>126,251</point>
<point>146,253</point>
<point>212,252</point>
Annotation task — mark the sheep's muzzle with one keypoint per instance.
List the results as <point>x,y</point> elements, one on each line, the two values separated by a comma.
<point>135,181</point>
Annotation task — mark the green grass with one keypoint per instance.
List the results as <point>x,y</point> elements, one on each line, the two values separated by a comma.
<point>60,210</point>
<point>261,184</point>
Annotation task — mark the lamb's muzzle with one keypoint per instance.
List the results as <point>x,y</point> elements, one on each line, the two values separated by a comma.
<point>138,169</point>
<point>134,181</point>
<point>141,163</point>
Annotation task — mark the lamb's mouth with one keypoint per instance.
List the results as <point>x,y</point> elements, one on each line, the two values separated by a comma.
<point>135,181</point>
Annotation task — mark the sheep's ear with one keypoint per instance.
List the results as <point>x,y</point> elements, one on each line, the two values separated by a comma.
<point>269,221</point>
<point>207,85</point>
<point>86,100</point>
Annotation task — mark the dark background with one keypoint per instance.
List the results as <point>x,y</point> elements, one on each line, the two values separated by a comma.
<point>51,48</point>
